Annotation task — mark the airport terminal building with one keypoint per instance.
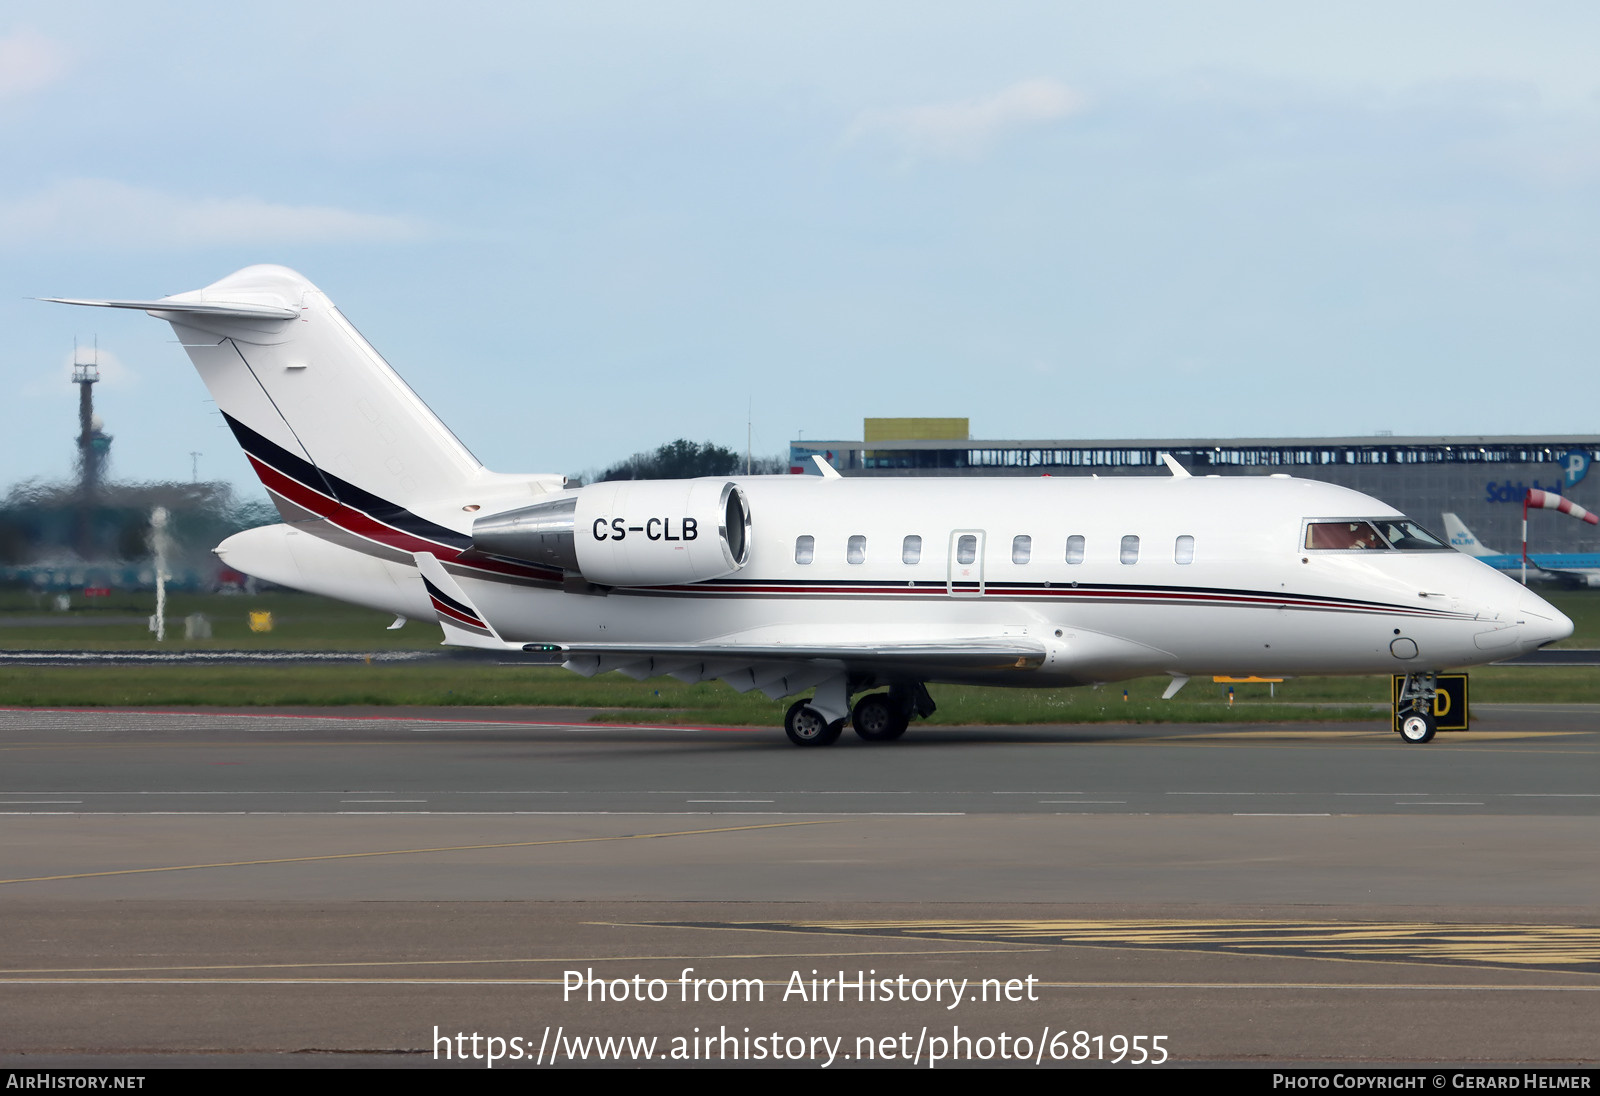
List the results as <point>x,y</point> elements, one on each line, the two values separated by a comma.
<point>1481,479</point>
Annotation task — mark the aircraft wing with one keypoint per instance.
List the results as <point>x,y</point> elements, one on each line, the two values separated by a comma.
<point>777,669</point>
<point>780,670</point>
<point>1577,578</point>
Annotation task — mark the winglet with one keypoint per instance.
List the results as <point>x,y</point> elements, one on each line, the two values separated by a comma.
<point>463,625</point>
<point>828,471</point>
<point>1178,471</point>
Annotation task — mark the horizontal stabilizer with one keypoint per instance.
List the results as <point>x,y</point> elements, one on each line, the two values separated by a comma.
<point>238,311</point>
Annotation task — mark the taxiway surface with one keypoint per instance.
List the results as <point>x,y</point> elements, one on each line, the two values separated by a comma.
<point>342,887</point>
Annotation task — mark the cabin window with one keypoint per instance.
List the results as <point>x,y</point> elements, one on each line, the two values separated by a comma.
<point>1130,549</point>
<point>1021,549</point>
<point>1075,549</point>
<point>911,550</point>
<point>856,550</point>
<point>1183,550</point>
<point>966,549</point>
<point>804,549</point>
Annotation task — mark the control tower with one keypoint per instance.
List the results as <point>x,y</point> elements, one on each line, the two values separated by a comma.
<point>94,447</point>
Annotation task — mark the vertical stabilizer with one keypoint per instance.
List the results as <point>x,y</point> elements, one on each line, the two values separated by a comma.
<point>347,450</point>
<point>1462,540</point>
<point>311,391</point>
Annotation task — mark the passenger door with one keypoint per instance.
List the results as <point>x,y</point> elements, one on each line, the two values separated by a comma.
<point>966,563</point>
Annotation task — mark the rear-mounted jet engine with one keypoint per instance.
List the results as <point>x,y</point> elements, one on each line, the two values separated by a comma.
<point>629,532</point>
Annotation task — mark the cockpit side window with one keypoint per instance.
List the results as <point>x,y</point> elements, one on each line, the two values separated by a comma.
<point>1399,534</point>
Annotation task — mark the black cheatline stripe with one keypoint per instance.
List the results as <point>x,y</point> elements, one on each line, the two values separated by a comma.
<point>435,592</point>
<point>1115,590</point>
<point>1261,603</point>
<point>1053,587</point>
<point>379,509</point>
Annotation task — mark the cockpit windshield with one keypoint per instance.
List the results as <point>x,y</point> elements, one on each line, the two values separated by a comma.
<point>1407,535</point>
<point>1383,534</point>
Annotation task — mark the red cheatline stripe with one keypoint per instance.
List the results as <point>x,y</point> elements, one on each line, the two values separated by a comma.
<point>932,590</point>
<point>515,570</point>
<point>461,618</point>
<point>363,525</point>
<point>344,516</point>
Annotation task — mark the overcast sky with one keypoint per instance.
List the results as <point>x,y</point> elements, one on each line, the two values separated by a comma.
<point>582,230</point>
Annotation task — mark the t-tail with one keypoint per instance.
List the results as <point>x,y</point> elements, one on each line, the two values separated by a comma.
<point>346,449</point>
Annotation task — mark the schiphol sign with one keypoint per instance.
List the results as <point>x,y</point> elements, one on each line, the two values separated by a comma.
<point>1507,491</point>
<point>1574,466</point>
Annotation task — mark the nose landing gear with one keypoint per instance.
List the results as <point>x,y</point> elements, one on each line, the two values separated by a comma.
<point>1415,707</point>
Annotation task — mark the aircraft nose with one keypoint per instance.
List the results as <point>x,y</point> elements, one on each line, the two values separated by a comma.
<point>1542,623</point>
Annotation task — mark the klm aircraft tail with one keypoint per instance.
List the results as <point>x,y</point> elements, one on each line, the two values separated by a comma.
<point>1462,540</point>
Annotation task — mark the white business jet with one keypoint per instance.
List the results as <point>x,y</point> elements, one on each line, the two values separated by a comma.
<point>819,584</point>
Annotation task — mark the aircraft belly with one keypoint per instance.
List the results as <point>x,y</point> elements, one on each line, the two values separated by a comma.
<point>1100,640</point>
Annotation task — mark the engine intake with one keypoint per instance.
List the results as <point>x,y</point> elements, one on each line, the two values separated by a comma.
<point>629,532</point>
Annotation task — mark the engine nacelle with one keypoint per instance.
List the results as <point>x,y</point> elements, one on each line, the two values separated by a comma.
<point>629,532</point>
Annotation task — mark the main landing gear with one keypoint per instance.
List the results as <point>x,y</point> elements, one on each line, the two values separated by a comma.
<point>877,717</point>
<point>1415,708</point>
<point>806,726</point>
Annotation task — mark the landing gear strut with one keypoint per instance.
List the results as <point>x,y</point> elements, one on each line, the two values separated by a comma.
<point>1415,707</point>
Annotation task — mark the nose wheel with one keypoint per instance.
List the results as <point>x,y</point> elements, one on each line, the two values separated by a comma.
<point>1417,727</point>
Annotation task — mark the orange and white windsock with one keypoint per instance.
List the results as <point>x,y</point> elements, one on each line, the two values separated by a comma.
<point>1549,500</point>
